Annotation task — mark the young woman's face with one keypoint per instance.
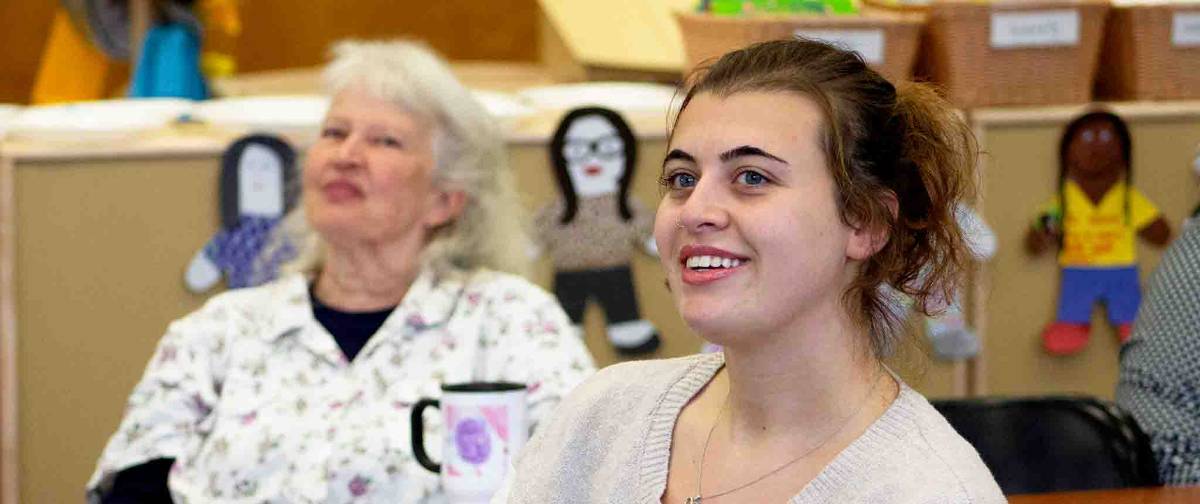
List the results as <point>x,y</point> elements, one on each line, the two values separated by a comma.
<point>369,177</point>
<point>748,185</point>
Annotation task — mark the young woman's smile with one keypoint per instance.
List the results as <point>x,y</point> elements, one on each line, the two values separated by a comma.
<point>703,264</point>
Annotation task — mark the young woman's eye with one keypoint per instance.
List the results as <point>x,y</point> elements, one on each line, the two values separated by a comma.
<point>679,180</point>
<point>751,178</point>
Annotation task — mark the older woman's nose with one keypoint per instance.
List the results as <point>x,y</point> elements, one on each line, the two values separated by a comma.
<point>706,208</point>
<point>350,151</point>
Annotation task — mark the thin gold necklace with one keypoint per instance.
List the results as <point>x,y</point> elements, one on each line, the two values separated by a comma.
<point>700,478</point>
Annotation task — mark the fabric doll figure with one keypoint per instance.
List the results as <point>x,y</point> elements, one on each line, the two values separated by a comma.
<point>1093,220</point>
<point>258,177</point>
<point>590,232</point>
<point>948,332</point>
<point>949,336</point>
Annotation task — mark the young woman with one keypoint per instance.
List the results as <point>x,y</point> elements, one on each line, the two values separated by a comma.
<point>797,182</point>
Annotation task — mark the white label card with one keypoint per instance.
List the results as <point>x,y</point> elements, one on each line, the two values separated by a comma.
<point>1185,29</point>
<point>1022,29</point>
<point>867,43</point>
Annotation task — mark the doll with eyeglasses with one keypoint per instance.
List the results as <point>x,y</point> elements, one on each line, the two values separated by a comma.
<point>591,231</point>
<point>1093,220</point>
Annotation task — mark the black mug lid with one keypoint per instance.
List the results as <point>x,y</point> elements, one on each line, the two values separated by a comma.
<point>483,387</point>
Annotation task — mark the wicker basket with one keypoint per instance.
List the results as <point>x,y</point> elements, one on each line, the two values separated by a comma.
<point>707,36</point>
<point>1140,60</point>
<point>957,53</point>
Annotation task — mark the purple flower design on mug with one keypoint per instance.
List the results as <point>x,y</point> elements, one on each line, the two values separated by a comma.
<point>471,439</point>
<point>358,486</point>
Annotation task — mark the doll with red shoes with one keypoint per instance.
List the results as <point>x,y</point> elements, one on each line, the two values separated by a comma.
<point>1093,220</point>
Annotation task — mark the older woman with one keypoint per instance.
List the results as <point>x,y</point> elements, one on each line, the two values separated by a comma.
<point>300,390</point>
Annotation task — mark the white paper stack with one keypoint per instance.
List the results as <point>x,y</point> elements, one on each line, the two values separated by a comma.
<point>624,97</point>
<point>7,114</point>
<point>508,109</point>
<point>283,115</point>
<point>97,121</point>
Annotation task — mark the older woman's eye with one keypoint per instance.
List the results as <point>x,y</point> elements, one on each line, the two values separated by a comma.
<point>679,180</point>
<point>332,132</point>
<point>388,141</point>
<point>751,178</point>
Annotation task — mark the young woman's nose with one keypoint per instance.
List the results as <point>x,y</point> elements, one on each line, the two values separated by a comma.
<point>705,208</point>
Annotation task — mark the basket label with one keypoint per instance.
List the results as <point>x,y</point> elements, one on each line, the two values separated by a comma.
<point>1185,29</point>
<point>1022,29</point>
<point>867,43</point>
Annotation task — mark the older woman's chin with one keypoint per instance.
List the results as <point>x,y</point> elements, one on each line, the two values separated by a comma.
<point>345,230</point>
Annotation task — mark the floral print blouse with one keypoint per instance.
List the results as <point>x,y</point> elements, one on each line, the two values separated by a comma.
<point>257,404</point>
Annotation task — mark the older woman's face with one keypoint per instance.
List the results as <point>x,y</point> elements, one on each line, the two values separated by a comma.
<point>369,177</point>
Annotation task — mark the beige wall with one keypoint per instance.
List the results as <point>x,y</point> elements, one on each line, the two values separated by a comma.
<point>285,34</point>
<point>21,45</point>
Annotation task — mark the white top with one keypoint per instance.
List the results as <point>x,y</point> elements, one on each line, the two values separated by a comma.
<point>256,402</point>
<point>610,442</point>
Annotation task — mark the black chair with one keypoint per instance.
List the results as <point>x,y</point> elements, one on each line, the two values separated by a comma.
<point>1054,444</point>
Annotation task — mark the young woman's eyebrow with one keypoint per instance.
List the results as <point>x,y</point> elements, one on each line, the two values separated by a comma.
<point>680,155</point>
<point>748,150</point>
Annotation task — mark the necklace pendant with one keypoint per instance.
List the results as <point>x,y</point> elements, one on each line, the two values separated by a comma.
<point>693,500</point>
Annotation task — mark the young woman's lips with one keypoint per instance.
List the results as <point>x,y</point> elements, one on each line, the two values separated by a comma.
<point>341,191</point>
<point>592,170</point>
<point>705,275</point>
<point>702,277</point>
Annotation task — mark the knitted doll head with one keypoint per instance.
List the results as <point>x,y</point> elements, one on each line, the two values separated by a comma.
<point>258,178</point>
<point>593,152</point>
<point>1094,145</point>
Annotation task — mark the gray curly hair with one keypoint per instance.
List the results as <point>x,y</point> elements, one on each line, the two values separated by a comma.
<point>469,155</point>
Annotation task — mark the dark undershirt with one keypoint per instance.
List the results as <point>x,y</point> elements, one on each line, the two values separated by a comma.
<point>147,483</point>
<point>350,330</point>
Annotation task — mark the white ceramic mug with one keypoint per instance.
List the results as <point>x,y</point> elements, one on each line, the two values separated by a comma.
<point>486,425</point>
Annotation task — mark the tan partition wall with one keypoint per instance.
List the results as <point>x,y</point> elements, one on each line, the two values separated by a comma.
<point>1020,173</point>
<point>99,251</point>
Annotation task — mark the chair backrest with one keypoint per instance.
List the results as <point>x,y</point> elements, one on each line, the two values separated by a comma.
<point>1049,444</point>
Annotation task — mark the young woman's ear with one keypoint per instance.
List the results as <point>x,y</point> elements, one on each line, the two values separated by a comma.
<point>866,240</point>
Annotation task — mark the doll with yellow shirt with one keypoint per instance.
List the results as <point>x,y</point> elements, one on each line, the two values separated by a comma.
<point>1093,221</point>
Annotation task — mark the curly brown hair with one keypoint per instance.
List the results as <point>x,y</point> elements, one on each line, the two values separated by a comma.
<point>880,141</point>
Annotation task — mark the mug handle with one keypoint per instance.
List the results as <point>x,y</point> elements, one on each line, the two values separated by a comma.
<point>418,435</point>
